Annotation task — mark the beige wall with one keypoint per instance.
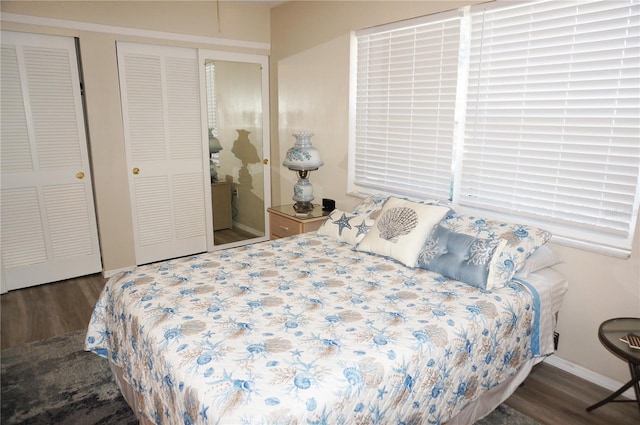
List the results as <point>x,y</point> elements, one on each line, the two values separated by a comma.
<point>248,23</point>
<point>309,85</point>
<point>238,20</point>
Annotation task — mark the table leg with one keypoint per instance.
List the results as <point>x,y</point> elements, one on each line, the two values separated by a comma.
<point>634,382</point>
<point>635,377</point>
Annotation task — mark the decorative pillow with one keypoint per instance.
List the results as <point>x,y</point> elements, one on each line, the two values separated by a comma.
<point>345,227</point>
<point>522,241</point>
<point>401,229</point>
<point>541,258</point>
<point>372,205</point>
<point>460,257</point>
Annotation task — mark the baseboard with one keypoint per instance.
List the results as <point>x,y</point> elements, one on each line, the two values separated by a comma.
<point>248,229</point>
<point>588,375</point>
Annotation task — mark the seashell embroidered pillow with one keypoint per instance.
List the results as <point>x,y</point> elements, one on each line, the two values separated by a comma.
<point>346,227</point>
<point>401,229</point>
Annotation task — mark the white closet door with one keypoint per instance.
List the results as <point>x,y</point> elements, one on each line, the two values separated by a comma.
<point>163,135</point>
<point>48,223</point>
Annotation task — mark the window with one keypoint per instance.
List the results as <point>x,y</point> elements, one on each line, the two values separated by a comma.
<point>405,103</point>
<point>527,111</point>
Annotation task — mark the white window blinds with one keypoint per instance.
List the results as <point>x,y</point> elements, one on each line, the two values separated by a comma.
<point>553,116</point>
<point>527,110</point>
<point>406,92</point>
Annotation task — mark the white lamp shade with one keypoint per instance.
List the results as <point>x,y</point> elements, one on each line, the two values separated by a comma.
<point>214,144</point>
<point>302,156</point>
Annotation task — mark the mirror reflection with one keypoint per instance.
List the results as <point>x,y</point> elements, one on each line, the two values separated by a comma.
<point>234,118</point>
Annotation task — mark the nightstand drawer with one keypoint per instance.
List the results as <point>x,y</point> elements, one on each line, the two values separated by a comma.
<point>282,227</point>
<point>284,221</point>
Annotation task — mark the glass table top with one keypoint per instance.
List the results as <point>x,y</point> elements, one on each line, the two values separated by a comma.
<point>316,212</point>
<point>612,330</point>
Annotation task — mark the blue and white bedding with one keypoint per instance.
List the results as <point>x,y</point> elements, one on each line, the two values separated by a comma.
<point>308,330</point>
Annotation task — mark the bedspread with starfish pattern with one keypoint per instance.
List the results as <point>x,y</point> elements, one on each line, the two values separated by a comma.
<point>305,330</point>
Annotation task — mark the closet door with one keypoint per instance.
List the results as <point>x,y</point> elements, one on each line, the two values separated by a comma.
<point>165,152</point>
<point>47,218</point>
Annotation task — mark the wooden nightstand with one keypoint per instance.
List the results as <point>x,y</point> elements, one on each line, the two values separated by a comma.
<point>221,205</point>
<point>284,221</point>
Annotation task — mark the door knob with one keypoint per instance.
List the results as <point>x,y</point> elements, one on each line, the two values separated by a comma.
<point>136,170</point>
<point>265,161</point>
<point>80,175</point>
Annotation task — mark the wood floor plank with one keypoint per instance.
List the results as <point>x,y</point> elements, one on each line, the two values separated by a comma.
<point>553,396</point>
<point>225,236</point>
<point>39,312</point>
<point>15,310</point>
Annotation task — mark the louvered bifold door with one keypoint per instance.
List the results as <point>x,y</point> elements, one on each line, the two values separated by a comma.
<point>163,135</point>
<point>47,218</point>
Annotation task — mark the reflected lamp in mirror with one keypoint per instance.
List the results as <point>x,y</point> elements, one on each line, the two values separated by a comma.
<point>214,156</point>
<point>303,158</point>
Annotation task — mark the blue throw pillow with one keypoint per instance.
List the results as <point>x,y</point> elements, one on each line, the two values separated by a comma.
<point>459,256</point>
<point>521,241</point>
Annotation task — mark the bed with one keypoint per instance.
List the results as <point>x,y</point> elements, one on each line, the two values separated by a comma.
<point>329,327</point>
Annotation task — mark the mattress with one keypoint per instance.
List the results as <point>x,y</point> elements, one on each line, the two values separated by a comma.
<point>551,286</point>
<point>307,330</point>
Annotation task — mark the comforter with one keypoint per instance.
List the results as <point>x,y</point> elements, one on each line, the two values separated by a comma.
<point>305,330</point>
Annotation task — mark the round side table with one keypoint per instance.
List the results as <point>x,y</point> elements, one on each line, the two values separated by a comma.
<point>609,334</point>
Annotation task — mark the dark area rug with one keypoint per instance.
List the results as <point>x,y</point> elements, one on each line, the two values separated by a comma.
<point>55,381</point>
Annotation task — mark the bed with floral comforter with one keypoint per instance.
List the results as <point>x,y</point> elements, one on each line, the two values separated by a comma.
<point>307,330</point>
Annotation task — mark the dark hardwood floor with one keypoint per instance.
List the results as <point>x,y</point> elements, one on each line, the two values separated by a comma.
<point>39,312</point>
<point>550,395</point>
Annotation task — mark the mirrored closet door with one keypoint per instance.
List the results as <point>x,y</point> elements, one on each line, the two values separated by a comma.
<point>235,111</point>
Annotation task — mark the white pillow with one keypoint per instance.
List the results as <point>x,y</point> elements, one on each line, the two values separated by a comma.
<point>401,229</point>
<point>346,227</point>
<point>541,258</point>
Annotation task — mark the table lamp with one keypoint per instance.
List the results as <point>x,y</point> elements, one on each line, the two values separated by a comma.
<point>303,158</point>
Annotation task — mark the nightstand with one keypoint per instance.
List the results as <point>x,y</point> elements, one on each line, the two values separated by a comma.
<point>221,205</point>
<point>284,221</point>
